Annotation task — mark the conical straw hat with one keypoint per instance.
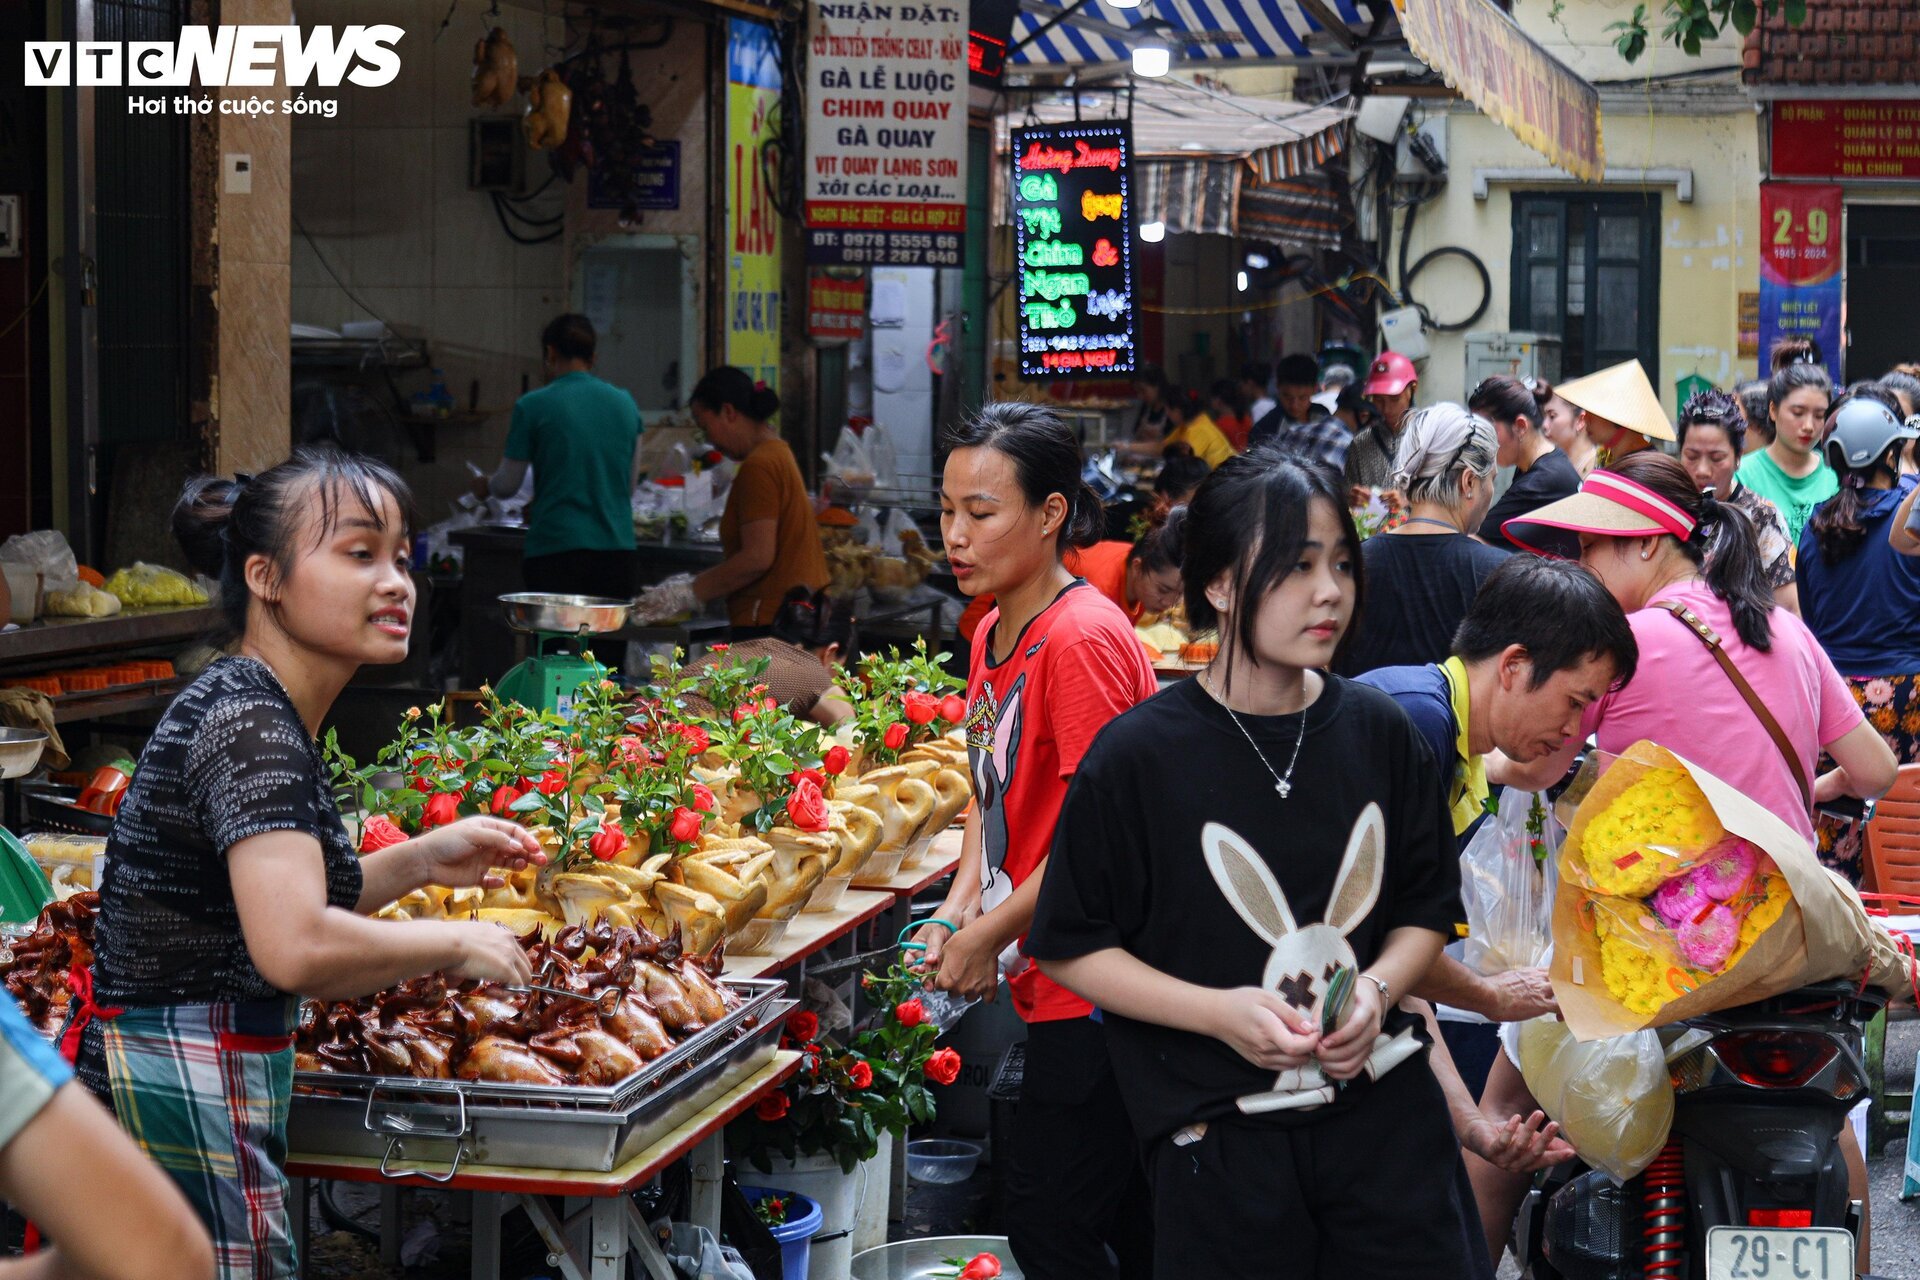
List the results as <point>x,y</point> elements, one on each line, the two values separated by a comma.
<point>1623,396</point>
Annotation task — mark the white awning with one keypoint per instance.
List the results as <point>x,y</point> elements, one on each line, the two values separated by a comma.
<point>1176,120</point>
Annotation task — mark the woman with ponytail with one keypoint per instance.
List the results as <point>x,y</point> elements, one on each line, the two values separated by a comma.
<point>232,888</point>
<point>767,528</point>
<point>1050,666</point>
<point>1422,576</point>
<point>1860,594</point>
<point>1645,530</point>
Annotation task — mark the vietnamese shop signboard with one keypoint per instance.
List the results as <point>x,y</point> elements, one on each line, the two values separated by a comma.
<point>1073,237</point>
<point>1847,138</point>
<point>887,133</point>
<point>1800,258</point>
<point>1479,51</point>
<point>752,243</point>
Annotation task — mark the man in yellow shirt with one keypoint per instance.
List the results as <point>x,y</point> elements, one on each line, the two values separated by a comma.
<point>1198,432</point>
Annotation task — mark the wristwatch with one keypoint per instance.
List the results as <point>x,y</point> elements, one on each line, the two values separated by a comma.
<point>1386,996</point>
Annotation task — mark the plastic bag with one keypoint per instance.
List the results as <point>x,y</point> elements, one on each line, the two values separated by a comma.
<point>1613,1097</point>
<point>47,552</point>
<point>143,585</point>
<point>82,601</point>
<point>696,1255</point>
<point>1506,881</point>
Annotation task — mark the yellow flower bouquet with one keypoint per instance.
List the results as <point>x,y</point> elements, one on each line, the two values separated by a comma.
<point>1678,896</point>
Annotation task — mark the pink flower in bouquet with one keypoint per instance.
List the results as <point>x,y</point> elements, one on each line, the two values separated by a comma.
<point>1728,867</point>
<point>1707,940</point>
<point>1680,900</point>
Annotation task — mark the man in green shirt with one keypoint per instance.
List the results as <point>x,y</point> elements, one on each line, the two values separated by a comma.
<point>578,434</point>
<point>1790,472</point>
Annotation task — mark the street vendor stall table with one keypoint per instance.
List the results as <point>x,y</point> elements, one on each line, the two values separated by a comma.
<point>596,1225</point>
<point>51,643</point>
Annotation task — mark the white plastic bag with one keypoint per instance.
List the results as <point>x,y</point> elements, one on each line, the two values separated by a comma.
<point>696,1255</point>
<point>47,553</point>
<point>1506,882</point>
<point>1613,1097</point>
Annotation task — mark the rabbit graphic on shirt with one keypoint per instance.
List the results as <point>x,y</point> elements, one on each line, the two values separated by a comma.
<point>1305,958</point>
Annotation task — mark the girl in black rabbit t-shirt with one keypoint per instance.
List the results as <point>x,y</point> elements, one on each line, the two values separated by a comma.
<point>1226,848</point>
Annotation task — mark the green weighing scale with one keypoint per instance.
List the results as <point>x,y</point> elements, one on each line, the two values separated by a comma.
<point>548,680</point>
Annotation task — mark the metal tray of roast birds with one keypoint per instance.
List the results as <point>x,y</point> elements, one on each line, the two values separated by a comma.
<point>433,1128</point>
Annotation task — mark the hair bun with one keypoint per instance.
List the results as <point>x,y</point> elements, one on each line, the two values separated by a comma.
<point>200,521</point>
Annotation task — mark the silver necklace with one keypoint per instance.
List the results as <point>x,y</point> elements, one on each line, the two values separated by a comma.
<point>1282,783</point>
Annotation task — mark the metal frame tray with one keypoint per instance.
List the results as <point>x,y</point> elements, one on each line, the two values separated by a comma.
<point>403,1121</point>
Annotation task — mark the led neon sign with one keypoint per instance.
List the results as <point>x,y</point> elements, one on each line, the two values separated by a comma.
<point>1073,229</point>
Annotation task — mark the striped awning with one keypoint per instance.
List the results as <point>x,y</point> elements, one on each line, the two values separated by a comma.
<point>1176,120</point>
<point>1235,29</point>
<point>1302,212</point>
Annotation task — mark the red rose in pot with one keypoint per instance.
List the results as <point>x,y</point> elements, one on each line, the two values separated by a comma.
<point>684,826</point>
<point>380,833</point>
<point>607,844</point>
<point>921,708</point>
<point>944,1066</point>
<point>772,1107</point>
<point>504,797</point>
<point>953,709</point>
<point>895,736</point>
<point>441,810</point>
<point>837,760</point>
<point>806,807</point>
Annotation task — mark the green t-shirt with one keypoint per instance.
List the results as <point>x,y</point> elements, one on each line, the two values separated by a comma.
<point>1796,498</point>
<point>579,433</point>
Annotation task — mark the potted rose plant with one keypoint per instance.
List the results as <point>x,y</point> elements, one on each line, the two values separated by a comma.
<point>828,1132</point>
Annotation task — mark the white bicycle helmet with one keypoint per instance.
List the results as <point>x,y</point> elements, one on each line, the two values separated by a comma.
<point>1862,432</point>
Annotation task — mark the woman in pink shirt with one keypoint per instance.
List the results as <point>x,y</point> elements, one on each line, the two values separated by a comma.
<point>1642,528</point>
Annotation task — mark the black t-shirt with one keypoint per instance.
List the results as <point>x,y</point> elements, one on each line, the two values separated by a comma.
<point>1418,588</point>
<point>230,759</point>
<point>1171,791</point>
<point>1550,479</point>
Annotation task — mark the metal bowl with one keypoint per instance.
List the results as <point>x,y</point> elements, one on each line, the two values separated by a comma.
<point>20,751</point>
<point>925,1258</point>
<point>564,615</point>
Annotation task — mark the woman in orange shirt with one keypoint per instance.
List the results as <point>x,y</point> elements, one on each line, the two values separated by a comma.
<point>1141,577</point>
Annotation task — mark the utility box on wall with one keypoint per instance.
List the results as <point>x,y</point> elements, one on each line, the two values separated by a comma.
<point>1518,355</point>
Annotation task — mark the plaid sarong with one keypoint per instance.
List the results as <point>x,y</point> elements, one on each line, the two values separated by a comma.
<point>204,1090</point>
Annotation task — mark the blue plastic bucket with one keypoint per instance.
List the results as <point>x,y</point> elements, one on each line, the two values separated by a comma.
<point>796,1233</point>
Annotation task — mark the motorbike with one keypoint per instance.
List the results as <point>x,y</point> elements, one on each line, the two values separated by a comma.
<point>1751,1184</point>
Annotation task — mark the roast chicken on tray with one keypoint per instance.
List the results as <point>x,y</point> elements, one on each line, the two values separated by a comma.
<point>629,997</point>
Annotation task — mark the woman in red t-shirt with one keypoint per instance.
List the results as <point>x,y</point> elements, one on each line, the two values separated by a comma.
<point>1050,666</point>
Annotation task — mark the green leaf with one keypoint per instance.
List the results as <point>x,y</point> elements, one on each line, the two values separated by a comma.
<point>1743,14</point>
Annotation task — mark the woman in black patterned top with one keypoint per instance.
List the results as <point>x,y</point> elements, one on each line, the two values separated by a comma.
<point>231,886</point>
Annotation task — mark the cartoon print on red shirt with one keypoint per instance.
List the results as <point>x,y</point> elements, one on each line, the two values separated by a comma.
<point>993,747</point>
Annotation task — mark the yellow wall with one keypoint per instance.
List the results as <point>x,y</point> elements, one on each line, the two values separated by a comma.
<point>1706,256</point>
<point>1707,251</point>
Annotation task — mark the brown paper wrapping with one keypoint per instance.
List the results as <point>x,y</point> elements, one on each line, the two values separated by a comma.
<point>1824,934</point>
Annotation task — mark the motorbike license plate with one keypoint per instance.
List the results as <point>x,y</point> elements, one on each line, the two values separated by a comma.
<point>1767,1253</point>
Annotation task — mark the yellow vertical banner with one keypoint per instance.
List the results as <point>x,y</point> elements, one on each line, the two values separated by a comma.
<point>753,229</point>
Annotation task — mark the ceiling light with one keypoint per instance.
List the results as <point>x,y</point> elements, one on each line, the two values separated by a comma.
<point>1153,232</point>
<point>1259,261</point>
<point>1241,282</point>
<point>1152,52</point>
<point>1123,4</point>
